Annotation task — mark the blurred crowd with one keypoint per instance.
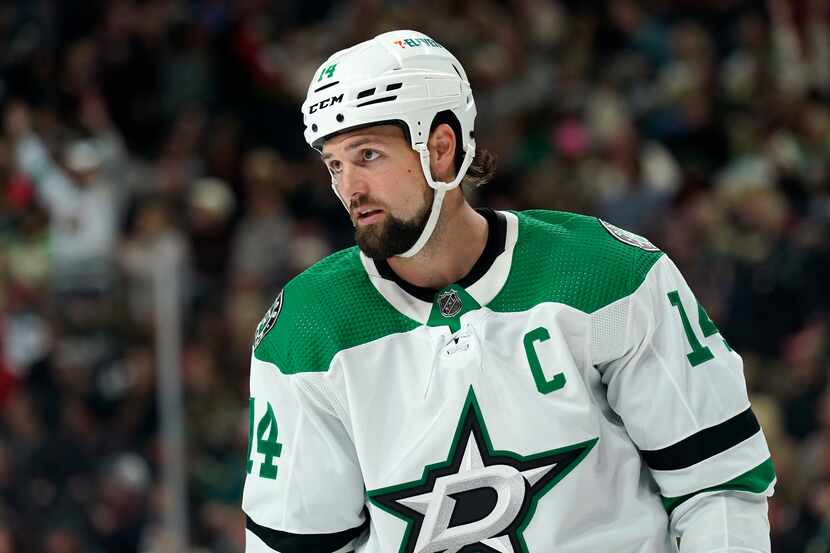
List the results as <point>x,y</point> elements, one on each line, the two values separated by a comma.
<point>132,127</point>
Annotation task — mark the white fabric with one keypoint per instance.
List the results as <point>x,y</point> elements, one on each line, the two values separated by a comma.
<point>660,396</point>
<point>725,522</point>
<point>302,499</point>
<point>387,410</point>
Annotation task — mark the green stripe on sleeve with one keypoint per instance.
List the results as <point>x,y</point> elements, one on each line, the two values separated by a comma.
<point>755,480</point>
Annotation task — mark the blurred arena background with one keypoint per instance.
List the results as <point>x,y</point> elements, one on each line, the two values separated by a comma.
<point>159,133</point>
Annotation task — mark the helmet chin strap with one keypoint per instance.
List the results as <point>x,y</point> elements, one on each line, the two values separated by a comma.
<point>440,187</point>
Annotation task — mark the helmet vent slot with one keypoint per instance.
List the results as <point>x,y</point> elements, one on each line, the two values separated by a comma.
<point>457,71</point>
<point>365,93</point>
<point>393,86</point>
<point>325,86</point>
<point>377,101</point>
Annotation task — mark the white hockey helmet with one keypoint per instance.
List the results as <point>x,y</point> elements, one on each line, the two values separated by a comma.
<point>401,77</point>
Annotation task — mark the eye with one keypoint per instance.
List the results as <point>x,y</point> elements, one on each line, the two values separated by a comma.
<point>370,155</point>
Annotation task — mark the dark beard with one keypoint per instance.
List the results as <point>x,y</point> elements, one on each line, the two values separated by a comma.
<point>393,236</point>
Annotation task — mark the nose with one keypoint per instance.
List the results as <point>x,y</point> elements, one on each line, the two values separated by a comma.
<point>350,184</point>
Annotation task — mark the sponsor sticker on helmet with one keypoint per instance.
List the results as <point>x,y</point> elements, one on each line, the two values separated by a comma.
<point>415,42</point>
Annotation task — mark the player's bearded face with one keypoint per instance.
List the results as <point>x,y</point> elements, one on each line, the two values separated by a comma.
<point>392,235</point>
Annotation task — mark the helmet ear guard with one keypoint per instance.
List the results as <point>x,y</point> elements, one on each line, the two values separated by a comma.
<point>401,77</point>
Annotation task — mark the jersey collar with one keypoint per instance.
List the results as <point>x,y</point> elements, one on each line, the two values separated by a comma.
<point>483,282</point>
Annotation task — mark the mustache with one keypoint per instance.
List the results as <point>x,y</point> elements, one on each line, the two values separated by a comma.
<point>360,201</point>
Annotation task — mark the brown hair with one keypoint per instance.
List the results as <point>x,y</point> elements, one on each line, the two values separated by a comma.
<point>481,170</point>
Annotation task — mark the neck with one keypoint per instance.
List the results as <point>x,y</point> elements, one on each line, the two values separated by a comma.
<point>454,247</point>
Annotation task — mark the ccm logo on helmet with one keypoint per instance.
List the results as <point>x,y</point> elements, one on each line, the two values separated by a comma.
<point>325,103</point>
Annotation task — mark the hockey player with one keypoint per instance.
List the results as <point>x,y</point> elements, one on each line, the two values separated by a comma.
<point>481,381</point>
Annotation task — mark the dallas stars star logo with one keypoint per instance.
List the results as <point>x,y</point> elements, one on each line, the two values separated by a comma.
<point>479,500</point>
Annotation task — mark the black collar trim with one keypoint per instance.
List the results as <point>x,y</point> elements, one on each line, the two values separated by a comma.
<point>496,241</point>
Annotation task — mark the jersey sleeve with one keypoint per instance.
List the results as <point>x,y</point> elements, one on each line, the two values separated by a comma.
<point>304,490</point>
<point>679,389</point>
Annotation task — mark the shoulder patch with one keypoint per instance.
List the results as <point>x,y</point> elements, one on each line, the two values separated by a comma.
<point>327,308</point>
<point>269,320</point>
<point>629,237</point>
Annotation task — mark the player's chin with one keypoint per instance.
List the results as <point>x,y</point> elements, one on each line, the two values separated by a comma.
<point>369,232</point>
<point>371,243</point>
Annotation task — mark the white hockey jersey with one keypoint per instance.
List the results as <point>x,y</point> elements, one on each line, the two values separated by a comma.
<point>568,395</point>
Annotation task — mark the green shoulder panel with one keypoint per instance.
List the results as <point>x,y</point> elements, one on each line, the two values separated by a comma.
<point>328,308</point>
<point>573,259</point>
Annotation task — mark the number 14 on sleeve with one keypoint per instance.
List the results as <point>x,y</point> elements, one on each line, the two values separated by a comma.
<point>266,442</point>
<point>700,353</point>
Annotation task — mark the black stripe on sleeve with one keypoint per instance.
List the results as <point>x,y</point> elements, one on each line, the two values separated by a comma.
<point>704,444</point>
<point>286,542</point>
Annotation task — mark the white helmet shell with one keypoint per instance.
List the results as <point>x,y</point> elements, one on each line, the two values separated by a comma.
<point>397,76</point>
<point>400,76</point>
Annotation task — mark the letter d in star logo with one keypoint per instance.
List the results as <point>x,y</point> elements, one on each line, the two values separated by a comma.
<point>480,499</point>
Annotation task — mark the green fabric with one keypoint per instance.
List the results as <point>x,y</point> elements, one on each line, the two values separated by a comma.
<point>560,257</point>
<point>755,480</point>
<point>328,308</point>
<point>467,304</point>
<point>571,259</point>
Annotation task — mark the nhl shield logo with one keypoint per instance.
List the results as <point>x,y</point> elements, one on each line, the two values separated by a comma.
<point>450,303</point>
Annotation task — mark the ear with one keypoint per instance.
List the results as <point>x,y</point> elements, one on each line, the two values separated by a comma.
<point>442,153</point>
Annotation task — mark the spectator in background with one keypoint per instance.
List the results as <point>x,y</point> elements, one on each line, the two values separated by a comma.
<point>261,245</point>
<point>210,207</point>
<point>151,229</point>
<point>84,206</point>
